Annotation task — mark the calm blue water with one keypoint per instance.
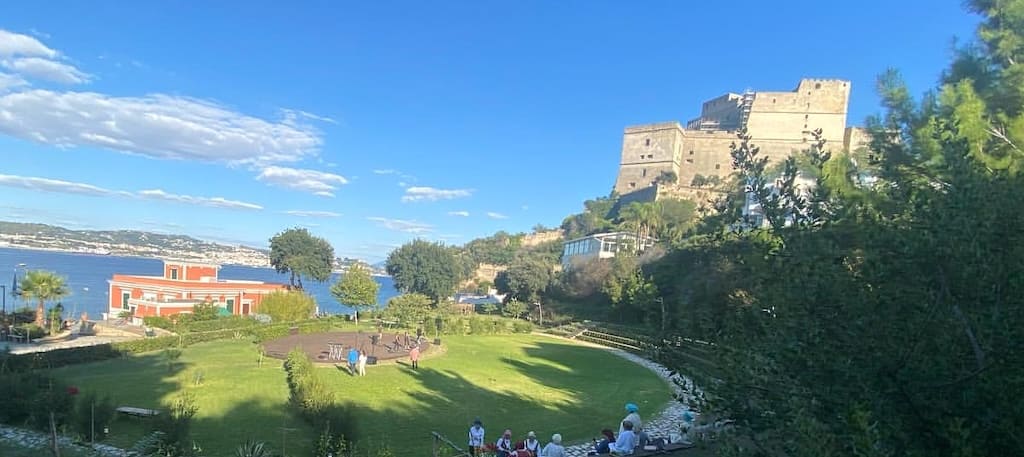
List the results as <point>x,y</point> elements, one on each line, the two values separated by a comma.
<point>87,277</point>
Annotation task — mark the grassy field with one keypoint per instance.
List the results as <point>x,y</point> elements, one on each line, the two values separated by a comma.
<point>522,382</point>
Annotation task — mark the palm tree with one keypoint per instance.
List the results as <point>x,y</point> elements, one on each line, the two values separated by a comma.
<point>42,286</point>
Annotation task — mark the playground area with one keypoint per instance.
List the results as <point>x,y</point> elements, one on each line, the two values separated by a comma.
<point>333,346</point>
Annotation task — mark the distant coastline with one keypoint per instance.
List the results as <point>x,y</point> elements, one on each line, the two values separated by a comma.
<point>85,252</point>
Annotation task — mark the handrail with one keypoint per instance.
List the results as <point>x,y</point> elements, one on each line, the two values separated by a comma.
<point>439,437</point>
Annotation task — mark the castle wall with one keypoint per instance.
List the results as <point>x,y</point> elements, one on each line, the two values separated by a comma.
<point>647,151</point>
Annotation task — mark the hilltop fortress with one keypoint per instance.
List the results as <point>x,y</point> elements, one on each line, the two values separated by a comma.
<point>779,123</point>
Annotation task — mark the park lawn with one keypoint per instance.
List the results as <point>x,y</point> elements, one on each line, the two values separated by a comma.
<point>522,382</point>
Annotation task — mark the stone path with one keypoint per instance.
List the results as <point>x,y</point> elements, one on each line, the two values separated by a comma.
<point>666,421</point>
<point>22,348</point>
<point>34,440</point>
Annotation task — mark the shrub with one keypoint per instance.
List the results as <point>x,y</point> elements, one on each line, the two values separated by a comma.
<point>284,306</point>
<point>205,311</point>
<point>91,414</point>
<point>158,322</point>
<point>223,323</point>
<point>34,331</point>
<point>315,401</point>
<point>522,326</point>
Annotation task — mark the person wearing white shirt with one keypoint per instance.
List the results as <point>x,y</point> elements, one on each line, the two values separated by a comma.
<point>504,444</point>
<point>626,441</point>
<point>476,437</point>
<point>633,417</point>
<point>362,363</point>
<point>554,448</point>
<point>531,444</point>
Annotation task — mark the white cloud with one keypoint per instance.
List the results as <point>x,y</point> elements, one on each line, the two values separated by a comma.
<point>215,202</point>
<point>387,171</point>
<point>416,194</point>
<point>400,225</point>
<point>459,213</point>
<point>8,82</point>
<point>292,115</point>
<point>403,184</point>
<point>16,44</point>
<point>303,213</point>
<point>68,187</point>
<point>53,185</point>
<point>49,70</point>
<point>312,181</point>
<point>157,126</point>
<point>494,215</point>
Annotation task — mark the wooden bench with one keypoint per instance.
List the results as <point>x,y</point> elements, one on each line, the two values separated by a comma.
<point>137,412</point>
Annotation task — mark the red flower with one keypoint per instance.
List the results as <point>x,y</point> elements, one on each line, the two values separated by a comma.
<point>72,390</point>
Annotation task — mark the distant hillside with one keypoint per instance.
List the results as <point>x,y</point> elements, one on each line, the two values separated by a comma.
<point>127,243</point>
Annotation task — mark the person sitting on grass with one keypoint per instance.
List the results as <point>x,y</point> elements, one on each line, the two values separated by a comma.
<point>604,446</point>
<point>626,441</point>
<point>554,448</point>
<point>504,444</point>
<point>531,444</point>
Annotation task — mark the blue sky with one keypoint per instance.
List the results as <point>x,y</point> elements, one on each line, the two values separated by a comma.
<point>372,123</point>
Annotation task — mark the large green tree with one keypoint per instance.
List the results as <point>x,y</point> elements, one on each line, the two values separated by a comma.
<point>525,279</point>
<point>299,253</point>
<point>409,309</point>
<point>425,268</point>
<point>42,286</point>
<point>882,316</point>
<point>356,289</point>
<point>287,306</point>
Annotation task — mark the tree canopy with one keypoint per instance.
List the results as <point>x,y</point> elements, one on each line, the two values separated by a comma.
<point>297,252</point>
<point>356,289</point>
<point>42,286</point>
<point>525,279</point>
<point>285,306</point>
<point>426,268</point>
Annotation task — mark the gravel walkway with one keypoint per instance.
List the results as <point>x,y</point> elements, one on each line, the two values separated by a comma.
<point>666,421</point>
<point>34,440</point>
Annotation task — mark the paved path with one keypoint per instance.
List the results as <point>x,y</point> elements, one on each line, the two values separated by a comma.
<point>40,441</point>
<point>21,348</point>
<point>659,425</point>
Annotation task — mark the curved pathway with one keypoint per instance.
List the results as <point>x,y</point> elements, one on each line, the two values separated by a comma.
<point>666,421</point>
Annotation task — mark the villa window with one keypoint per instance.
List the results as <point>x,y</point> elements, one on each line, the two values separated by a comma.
<point>125,296</point>
<point>231,305</point>
<point>174,273</point>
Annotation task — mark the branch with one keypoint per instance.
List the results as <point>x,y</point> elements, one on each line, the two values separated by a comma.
<point>1000,133</point>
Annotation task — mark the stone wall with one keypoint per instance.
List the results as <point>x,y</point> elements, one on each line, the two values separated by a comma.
<point>533,239</point>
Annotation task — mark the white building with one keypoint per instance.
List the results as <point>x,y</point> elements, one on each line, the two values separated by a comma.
<point>601,246</point>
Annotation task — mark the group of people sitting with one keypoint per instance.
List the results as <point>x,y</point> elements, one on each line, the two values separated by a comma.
<point>630,436</point>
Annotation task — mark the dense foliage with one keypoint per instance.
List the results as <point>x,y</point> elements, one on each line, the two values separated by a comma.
<point>316,404</point>
<point>42,286</point>
<point>284,306</point>
<point>299,253</point>
<point>880,312</point>
<point>408,309</point>
<point>356,289</point>
<point>425,268</point>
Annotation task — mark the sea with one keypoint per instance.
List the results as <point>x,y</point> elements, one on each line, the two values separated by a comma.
<point>87,275</point>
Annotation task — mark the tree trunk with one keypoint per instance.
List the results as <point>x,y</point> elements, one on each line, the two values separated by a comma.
<point>41,314</point>
<point>292,280</point>
<point>53,436</point>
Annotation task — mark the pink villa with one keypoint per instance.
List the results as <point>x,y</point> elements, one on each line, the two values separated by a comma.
<point>182,286</point>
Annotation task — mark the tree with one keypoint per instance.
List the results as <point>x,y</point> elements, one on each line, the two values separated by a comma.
<point>424,268</point>
<point>205,311</point>
<point>297,252</point>
<point>667,177</point>
<point>357,289</point>
<point>409,309</point>
<point>287,306</point>
<point>525,279</point>
<point>514,308</point>
<point>42,286</point>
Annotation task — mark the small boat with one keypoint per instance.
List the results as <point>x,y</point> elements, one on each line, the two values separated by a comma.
<point>21,265</point>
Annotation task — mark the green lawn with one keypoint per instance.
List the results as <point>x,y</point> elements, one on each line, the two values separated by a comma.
<point>522,382</point>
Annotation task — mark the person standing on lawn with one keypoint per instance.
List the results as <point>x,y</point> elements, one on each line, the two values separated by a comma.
<point>414,357</point>
<point>353,359</point>
<point>362,363</point>
<point>476,437</point>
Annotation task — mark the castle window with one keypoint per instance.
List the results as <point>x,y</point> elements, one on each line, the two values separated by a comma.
<point>643,173</point>
<point>689,160</point>
<point>691,151</point>
<point>806,116</point>
<point>647,142</point>
<point>718,166</point>
<point>773,100</point>
<point>817,86</point>
<point>632,185</point>
<point>650,156</point>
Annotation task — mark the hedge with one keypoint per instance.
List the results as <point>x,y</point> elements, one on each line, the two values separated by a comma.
<point>16,363</point>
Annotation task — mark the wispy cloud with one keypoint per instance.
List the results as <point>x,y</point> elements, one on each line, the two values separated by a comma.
<point>386,171</point>
<point>312,181</point>
<point>9,82</point>
<point>46,69</point>
<point>215,202</point>
<point>401,225</point>
<point>303,213</point>
<point>55,185</point>
<point>16,44</point>
<point>68,187</point>
<point>459,213</point>
<point>418,194</point>
<point>494,215</point>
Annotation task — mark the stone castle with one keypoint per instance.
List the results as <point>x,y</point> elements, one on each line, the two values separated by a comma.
<point>780,123</point>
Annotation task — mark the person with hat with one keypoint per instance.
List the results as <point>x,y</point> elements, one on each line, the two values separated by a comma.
<point>633,416</point>
<point>531,444</point>
<point>504,444</point>
<point>476,437</point>
<point>554,448</point>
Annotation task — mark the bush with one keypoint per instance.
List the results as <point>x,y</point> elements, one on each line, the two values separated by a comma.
<point>223,323</point>
<point>205,311</point>
<point>91,414</point>
<point>315,402</point>
<point>522,327</point>
<point>158,322</point>
<point>34,331</point>
<point>287,306</point>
